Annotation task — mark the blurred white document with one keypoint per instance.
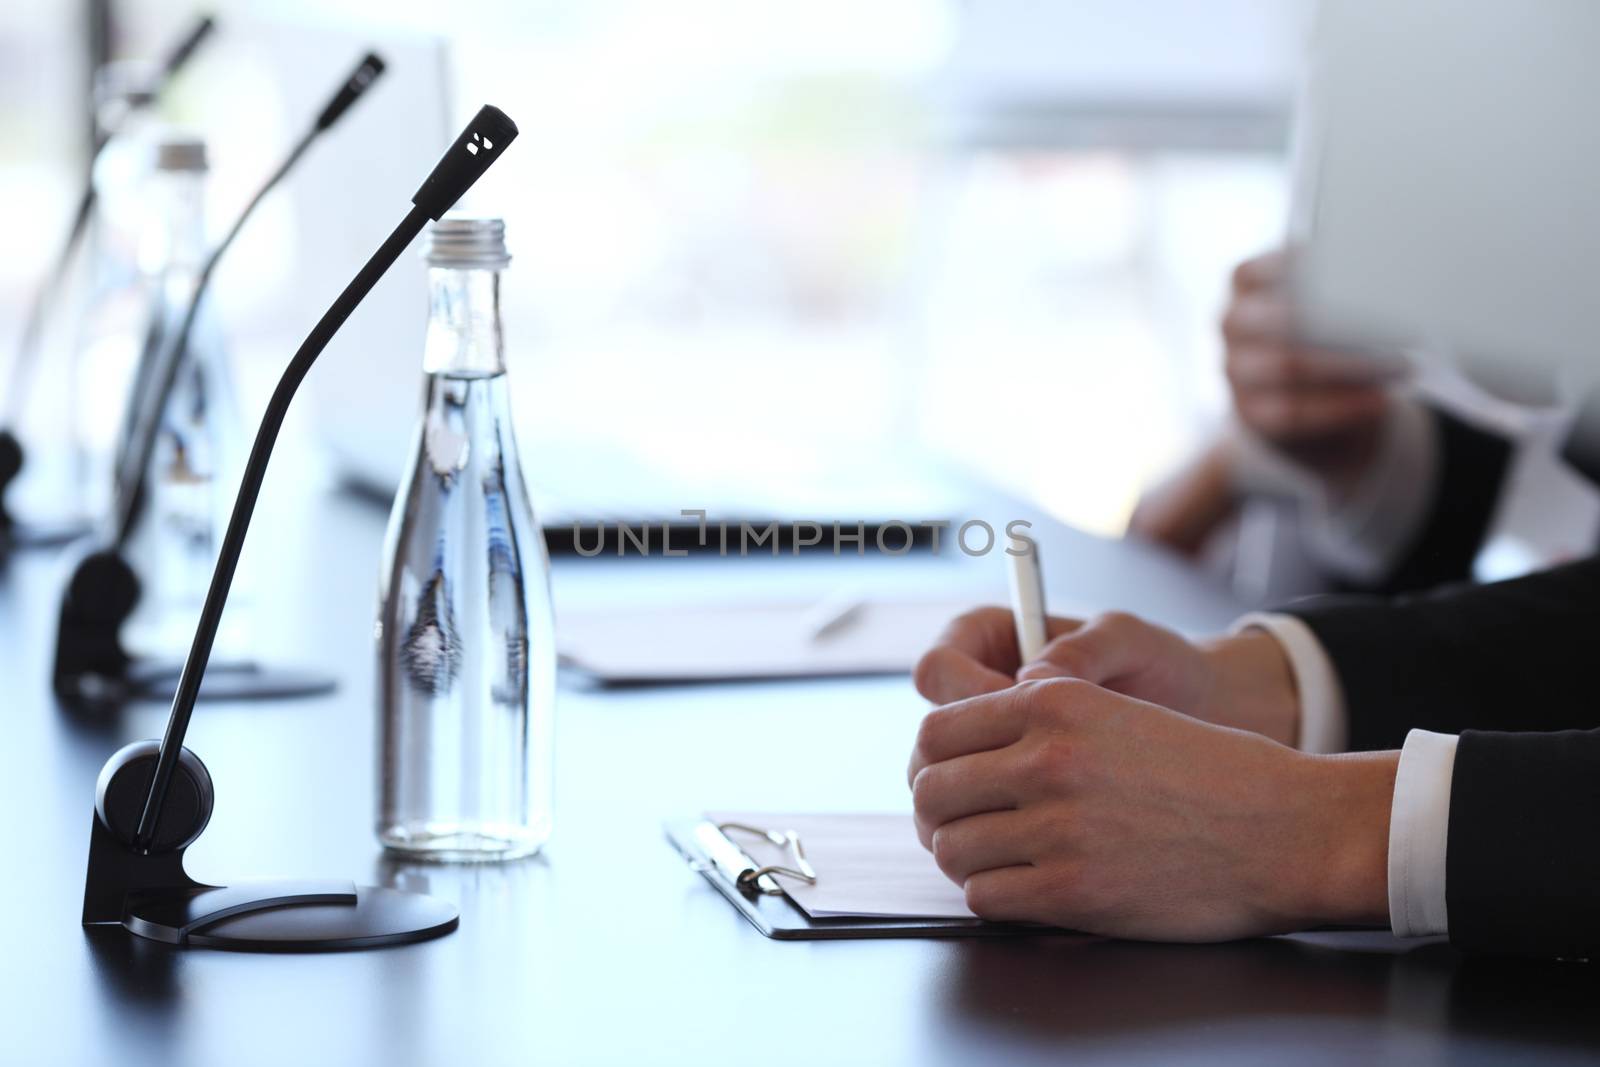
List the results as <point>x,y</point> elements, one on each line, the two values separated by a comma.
<point>1445,189</point>
<point>714,642</point>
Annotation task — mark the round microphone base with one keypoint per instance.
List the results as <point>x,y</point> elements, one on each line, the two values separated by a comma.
<point>26,535</point>
<point>156,681</point>
<point>300,916</point>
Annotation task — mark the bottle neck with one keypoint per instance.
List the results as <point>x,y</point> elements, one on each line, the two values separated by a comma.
<point>464,334</point>
<point>173,245</point>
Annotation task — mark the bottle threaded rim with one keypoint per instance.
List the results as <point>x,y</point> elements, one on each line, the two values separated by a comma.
<point>182,152</point>
<point>472,243</point>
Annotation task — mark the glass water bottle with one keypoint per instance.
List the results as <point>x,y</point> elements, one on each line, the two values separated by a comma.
<point>466,652</point>
<point>190,477</point>
<point>111,309</point>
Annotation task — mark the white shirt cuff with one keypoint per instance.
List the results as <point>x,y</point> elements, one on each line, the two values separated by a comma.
<point>1324,727</point>
<point>1419,824</point>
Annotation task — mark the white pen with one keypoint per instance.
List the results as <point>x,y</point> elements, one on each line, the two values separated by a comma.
<point>1027,602</point>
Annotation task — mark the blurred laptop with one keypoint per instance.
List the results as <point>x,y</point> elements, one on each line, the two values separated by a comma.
<point>254,90</point>
<point>736,460</point>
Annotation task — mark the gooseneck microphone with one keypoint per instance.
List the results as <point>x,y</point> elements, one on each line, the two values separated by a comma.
<point>153,390</point>
<point>479,145</point>
<point>25,363</point>
<point>184,50</point>
<point>104,590</point>
<point>152,801</point>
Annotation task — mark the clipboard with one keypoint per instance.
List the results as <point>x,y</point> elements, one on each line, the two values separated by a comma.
<point>756,892</point>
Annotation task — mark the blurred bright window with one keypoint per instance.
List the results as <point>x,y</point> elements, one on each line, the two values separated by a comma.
<point>801,258</point>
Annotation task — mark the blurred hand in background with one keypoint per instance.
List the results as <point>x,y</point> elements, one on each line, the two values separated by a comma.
<point>1323,409</point>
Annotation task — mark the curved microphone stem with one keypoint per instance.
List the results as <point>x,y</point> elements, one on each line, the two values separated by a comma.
<point>135,460</point>
<point>20,378</point>
<point>477,146</point>
<point>255,471</point>
<point>130,476</point>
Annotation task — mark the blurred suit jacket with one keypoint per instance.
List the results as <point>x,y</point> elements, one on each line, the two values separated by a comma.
<point>1471,482</point>
<point>1473,464</point>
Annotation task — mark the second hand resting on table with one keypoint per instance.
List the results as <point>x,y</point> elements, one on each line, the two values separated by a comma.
<point>1133,784</point>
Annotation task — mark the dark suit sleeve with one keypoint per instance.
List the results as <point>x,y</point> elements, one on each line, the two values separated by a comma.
<point>1522,869</point>
<point>1472,469</point>
<point>1516,655</point>
<point>1509,666</point>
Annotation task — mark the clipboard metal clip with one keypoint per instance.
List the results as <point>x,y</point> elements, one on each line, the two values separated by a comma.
<point>746,873</point>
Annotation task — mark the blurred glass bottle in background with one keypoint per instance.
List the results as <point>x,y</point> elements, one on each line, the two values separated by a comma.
<point>466,647</point>
<point>190,478</point>
<point>69,472</point>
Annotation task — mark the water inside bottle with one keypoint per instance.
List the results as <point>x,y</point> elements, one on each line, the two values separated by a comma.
<point>465,639</point>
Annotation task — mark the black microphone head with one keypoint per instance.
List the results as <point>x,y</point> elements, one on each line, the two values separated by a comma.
<point>185,49</point>
<point>360,79</point>
<point>478,146</point>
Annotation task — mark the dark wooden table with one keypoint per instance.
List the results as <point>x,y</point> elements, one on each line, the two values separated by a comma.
<point>607,949</point>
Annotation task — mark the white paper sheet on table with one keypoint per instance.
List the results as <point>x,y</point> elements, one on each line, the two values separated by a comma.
<point>698,642</point>
<point>867,866</point>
